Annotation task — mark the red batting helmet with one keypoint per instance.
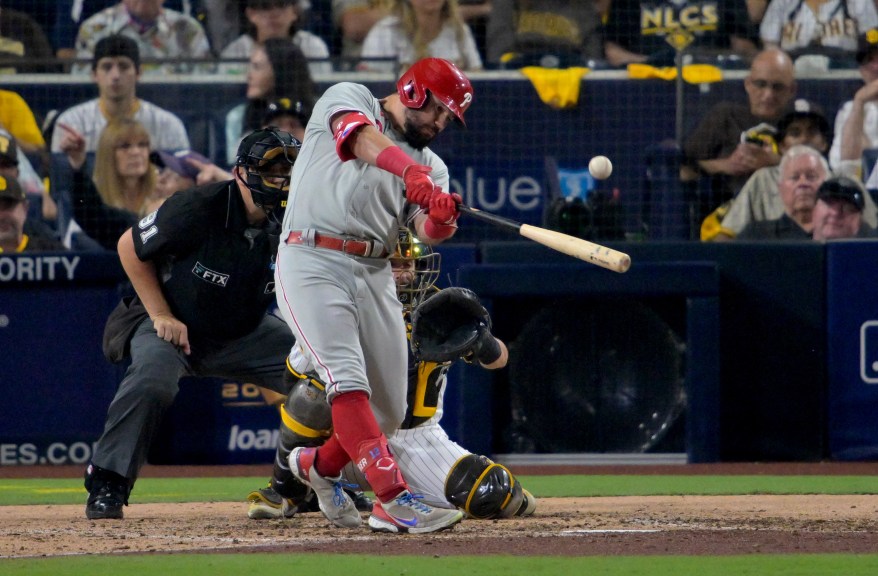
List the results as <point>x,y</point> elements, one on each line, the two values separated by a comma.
<point>442,79</point>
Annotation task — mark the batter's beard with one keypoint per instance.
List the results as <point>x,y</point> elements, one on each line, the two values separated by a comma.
<point>414,137</point>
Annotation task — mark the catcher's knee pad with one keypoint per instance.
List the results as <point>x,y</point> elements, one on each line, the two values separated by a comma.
<point>482,488</point>
<point>307,417</point>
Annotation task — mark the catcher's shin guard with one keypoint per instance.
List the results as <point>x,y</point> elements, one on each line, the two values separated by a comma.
<point>484,489</point>
<point>306,420</point>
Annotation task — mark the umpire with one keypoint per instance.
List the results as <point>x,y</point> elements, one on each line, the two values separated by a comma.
<point>202,266</point>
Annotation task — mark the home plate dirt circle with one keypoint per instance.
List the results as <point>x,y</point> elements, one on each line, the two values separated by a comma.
<point>562,526</point>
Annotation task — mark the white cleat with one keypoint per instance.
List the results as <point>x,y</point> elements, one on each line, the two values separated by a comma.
<point>407,514</point>
<point>334,502</point>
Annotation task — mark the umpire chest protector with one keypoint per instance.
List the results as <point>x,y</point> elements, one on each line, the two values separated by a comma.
<point>217,271</point>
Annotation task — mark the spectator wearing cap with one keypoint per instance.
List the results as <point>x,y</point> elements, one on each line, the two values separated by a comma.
<point>276,19</point>
<point>159,33</point>
<point>278,69</point>
<point>177,171</point>
<point>856,124</point>
<point>735,139</point>
<point>19,125</point>
<point>287,115</point>
<point>130,180</point>
<point>802,170</point>
<point>115,71</point>
<point>15,234</point>
<point>759,198</point>
<point>14,162</point>
<point>839,210</point>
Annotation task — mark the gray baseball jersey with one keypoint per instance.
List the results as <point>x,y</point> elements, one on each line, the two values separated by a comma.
<point>343,309</point>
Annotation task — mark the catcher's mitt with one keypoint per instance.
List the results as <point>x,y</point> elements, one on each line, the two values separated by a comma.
<point>449,325</point>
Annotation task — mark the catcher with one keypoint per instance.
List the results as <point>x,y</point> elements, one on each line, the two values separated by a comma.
<point>444,325</point>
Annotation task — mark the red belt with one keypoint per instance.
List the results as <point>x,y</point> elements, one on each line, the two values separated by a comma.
<point>366,248</point>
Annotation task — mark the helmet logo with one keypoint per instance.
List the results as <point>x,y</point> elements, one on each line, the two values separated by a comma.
<point>467,98</point>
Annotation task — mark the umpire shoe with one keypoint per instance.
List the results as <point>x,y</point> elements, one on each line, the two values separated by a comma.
<point>107,493</point>
<point>266,504</point>
<point>334,502</point>
<point>406,513</point>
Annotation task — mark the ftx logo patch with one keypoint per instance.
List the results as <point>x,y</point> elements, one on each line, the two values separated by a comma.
<point>209,275</point>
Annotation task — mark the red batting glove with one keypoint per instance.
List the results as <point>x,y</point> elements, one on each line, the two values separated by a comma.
<point>418,184</point>
<point>443,208</point>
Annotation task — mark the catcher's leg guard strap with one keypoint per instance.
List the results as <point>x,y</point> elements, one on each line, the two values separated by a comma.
<point>482,488</point>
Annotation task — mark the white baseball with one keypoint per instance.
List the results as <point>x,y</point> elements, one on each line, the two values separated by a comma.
<point>600,167</point>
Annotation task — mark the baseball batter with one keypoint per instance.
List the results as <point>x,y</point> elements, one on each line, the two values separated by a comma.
<point>363,171</point>
<point>444,473</point>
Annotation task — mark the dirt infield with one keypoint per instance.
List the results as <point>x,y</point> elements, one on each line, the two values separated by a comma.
<point>562,526</point>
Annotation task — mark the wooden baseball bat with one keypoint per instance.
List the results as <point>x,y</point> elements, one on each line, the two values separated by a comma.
<point>564,243</point>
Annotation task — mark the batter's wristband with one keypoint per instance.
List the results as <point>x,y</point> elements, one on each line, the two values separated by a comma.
<point>394,160</point>
<point>437,230</point>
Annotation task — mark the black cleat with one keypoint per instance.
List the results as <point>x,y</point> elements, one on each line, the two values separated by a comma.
<point>107,493</point>
<point>361,501</point>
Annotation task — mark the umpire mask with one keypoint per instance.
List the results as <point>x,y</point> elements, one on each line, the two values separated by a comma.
<point>268,155</point>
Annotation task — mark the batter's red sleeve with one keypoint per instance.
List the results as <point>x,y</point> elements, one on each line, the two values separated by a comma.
<point>344,128</point>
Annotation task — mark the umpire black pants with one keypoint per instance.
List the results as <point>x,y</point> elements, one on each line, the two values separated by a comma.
<point>152,381</point>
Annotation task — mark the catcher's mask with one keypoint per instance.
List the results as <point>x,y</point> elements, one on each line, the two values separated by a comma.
<point>267,155</point>
<point>416,269</point>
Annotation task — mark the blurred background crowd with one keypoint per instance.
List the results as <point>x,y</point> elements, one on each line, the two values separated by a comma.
<point>86,171</point>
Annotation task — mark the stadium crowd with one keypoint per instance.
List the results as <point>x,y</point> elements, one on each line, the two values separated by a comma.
<point>776,40</point>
